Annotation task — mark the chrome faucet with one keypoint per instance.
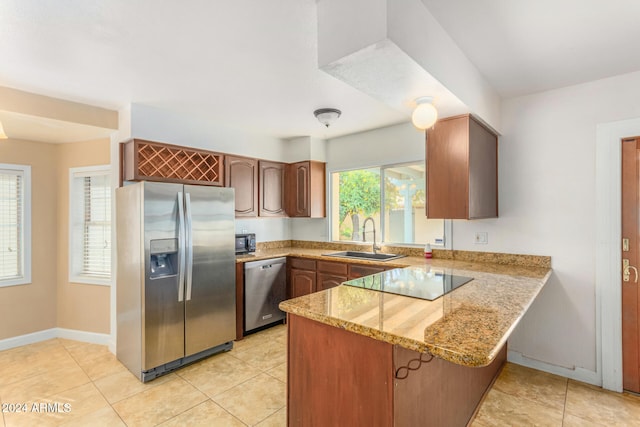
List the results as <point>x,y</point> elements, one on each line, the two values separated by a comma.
<point>364,225</point>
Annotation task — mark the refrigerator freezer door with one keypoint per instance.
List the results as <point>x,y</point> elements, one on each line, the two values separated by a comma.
<point>210,299</point>
<point>163,313</point>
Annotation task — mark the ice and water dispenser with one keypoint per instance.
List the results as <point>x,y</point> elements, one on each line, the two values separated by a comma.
<point>163,254</point>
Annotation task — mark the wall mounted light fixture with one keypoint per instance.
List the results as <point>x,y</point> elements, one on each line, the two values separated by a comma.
<point>326,116</point>
<point>425,114</point>
<point>2,134</point>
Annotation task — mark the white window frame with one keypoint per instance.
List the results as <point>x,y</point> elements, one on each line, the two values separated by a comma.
<point>448,224</point>
<point>75,275</point>
<point>25,172</point>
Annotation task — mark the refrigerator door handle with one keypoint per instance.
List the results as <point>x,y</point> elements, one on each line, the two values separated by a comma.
<point>181,247</point>
<point>187,198</point>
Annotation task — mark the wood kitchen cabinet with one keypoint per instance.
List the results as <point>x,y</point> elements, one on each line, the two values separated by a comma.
<point>142,160</point>
<point>358,270</point>
<point>271,189</point>
<point>239,301</point>
<point>462,169</point>
<point>306,189</point>
<point>302,276</point>
<point>330,274</point>
<point>358,381</point>
<point>307,276</point>
<point>241,173</point>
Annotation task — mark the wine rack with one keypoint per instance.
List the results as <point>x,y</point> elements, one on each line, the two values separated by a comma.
<point>155,161</point>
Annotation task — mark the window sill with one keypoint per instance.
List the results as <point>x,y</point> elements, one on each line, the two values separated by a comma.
<point>88,280</point>
<point>15,282</point>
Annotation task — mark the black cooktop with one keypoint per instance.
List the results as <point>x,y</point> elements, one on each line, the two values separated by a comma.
<point>412,282</point>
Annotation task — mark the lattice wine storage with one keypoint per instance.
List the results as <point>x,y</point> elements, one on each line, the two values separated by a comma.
<point>154,161</point>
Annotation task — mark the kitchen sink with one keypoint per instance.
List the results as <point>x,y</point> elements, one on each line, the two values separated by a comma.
<point>365,255</point>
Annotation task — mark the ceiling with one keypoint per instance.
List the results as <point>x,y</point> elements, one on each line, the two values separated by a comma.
<point>252,64</point>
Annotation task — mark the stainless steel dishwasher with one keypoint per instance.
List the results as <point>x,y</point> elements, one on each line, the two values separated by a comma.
<point>265,286</point>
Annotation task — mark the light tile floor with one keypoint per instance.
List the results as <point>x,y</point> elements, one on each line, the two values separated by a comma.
<point>67,383</point>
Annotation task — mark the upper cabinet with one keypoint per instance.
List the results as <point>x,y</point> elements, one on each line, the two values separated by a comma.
<point>241,174</point>
<point>306,189</point>
<point>142,160</point>
<point>462,169</point>
<point>262,188</point>
<point>272,188</point>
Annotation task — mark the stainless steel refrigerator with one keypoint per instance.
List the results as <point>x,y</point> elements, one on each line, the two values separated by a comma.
<point>175,290</point>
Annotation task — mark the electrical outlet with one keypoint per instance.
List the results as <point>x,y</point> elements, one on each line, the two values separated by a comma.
<point>481,238</point>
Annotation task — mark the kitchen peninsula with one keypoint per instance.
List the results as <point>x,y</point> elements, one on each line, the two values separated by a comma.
<point>358,356</point>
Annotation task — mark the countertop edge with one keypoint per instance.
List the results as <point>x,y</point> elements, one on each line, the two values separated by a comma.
<point>460,358</point>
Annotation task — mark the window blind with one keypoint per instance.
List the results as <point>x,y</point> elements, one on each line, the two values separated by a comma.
<point>11,224</point>
<point>96,247</point>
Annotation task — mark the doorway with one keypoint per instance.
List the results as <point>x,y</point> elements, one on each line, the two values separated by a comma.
<point>630,206</point>
<point>608,254</point>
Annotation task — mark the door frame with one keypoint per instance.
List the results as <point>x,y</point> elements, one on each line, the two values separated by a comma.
<point>608,248</point>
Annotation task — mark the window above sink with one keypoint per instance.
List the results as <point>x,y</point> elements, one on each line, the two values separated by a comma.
<point>394,197</point>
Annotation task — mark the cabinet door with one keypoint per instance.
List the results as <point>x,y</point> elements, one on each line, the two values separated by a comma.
<point>272,189</point>
<point>298,189</point>
<point>241,174</point>
<point>356,271</point>
<point>333,267</point>
<point>462,170</point>
<point>306,189</point>
<point>303,282</point>
<point>447,169</point>
<point>302,263</point>
<point>328,281</point>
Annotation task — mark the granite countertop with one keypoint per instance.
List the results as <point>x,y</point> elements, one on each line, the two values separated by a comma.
<point>467,326</point>
<point>531,266</point>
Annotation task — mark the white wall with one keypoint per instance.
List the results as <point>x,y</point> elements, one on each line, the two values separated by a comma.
<point>392,144</point>
<point>162,125</point>
<point>266,229</point>
<point>312,229</point>
<point>305,148</point>
<point>547,203</point>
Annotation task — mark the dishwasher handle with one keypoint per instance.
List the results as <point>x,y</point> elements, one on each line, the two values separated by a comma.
<point>265,264</point>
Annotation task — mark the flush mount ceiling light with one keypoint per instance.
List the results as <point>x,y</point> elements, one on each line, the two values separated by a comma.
<point>425,114</point>
<point>326,116</point>
<point>2,134</point>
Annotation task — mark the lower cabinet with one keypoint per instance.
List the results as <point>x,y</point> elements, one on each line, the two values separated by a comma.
<point>357,381</point>
<point>328,281</point>
<point>331,274</point>
<point>358,270</point>
<point>307,276</point>
<point>302,277</point>
<point>302,282</point>
<point>239,301</point>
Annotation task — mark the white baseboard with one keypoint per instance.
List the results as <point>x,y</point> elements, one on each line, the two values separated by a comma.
<point>578,374</point>
<point>71,334</point>
<point>90,337</point>
<point>34,337</point>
